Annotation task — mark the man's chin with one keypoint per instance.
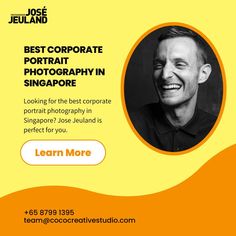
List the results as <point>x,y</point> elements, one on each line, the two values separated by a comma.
<point>171,102</point>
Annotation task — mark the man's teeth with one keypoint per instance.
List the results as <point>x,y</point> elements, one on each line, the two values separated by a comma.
<point>171,86</point>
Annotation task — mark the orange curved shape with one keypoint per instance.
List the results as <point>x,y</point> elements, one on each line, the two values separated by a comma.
<point>204,204</point>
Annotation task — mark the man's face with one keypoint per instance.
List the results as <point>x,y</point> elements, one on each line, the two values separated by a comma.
<point>176,71</point>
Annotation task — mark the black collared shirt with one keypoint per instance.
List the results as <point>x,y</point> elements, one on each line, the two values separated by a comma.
<point>153,126</point>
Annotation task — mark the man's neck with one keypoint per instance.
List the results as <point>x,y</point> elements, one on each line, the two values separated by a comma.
<point>180,115</point>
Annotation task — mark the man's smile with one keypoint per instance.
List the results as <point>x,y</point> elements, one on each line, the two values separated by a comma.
<point>170,86</point>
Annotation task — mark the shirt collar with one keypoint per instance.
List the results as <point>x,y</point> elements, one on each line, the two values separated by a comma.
<point>162,124</point>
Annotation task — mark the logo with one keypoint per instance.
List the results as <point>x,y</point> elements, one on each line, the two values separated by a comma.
<point>33,16</point>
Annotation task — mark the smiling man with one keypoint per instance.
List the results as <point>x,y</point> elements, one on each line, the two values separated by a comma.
<point>180,64</point>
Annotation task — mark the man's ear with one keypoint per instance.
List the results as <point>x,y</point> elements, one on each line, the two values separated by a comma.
<point>204,73</point>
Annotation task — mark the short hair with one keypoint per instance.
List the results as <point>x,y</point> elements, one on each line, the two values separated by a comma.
<point>179,31</point>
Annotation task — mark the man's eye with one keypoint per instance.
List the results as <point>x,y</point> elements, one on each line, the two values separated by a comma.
<point>158,66</point>
<point>180,65</point>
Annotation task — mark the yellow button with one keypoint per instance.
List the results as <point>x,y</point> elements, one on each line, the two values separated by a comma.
<point>63,152</point>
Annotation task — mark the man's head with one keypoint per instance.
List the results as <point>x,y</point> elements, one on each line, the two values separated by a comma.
<point>180,65</point>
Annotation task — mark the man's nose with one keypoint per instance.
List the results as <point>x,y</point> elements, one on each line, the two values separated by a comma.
<point>167,71</point>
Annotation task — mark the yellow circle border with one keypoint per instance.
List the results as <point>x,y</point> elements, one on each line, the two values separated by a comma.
<point>123,82</point>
